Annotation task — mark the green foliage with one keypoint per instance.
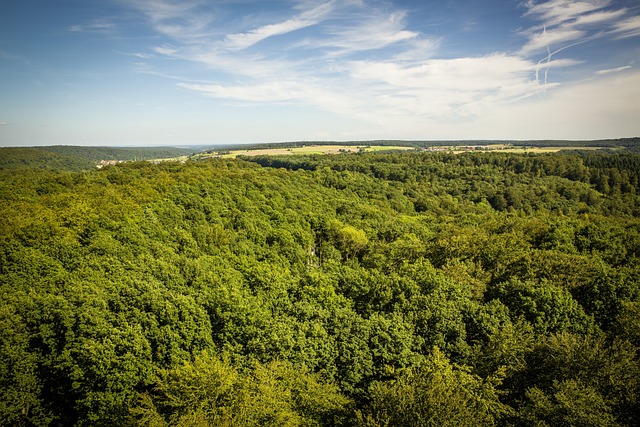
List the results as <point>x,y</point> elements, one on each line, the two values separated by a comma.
<point>547,307</point>
<point>77,158</point>
<point>211,392</point>
<point>607,373</point>
<point>571,404</point>
<point>436,394</point>
<point>19,383</point>
<point>312,290</point>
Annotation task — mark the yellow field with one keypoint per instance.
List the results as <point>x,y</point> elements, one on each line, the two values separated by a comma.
<point>545,149</point>
<point>335,149</point>
<point>312,149</point>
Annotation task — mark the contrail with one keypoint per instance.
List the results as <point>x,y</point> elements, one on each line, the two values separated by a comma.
<point>544,31</point>
<point>547,59</point>
<point>546,70</point>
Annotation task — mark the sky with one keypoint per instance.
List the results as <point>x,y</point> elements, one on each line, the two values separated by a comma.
<point>167,72</point>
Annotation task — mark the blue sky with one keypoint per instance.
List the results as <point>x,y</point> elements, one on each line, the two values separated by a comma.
<point>166,72</point>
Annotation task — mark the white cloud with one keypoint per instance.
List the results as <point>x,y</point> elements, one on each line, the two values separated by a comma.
<point>269,92</point>
<point>183,20</point>
<point>603,108</point>
<point>554,12</point>
<point>628,28</point>
<point>380,92</point>
<point>565,23</point>
<point>165,50</point>
<point>482,73</point>
<point>305,19</point>
<point>100,25</point>
<point>160,10</point>
<point>599,17</point>
<point>374,30</point>
<point>558,63</point>
<point>613,70</point>
<point>245,40</point>
<point>367,64</point>
<point>551,38</point>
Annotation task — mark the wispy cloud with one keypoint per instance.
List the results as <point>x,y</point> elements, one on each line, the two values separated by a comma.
<point>565,24</point>
<point>629,27</point>
<point>96,26</point>
<point>375,30</point>
<point>362,58</point>
<point>482,73</point>
<point>8,55</point>
<point>555,12</point>
<point>551,37</point>
<point>305,19</point>
<point>162,10</point>
<point>13,57</point>
<point>139,55</point>
<point>613,70</point>
<point>182,20</point>
<point>275,91</point>
<point>599,17</point>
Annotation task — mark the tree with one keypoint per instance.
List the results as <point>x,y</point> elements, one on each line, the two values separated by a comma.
<point>350,240</point>
<point>209,391</point>
<point>20,385</point>
<point>548,307</point>
<point>570,403</point>
<point>435,394</point>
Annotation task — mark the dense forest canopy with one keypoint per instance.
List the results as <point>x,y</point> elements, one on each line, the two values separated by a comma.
<point>404,289</point>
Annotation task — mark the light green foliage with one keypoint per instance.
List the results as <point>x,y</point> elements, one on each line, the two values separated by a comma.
<point>210,392</point>
<point>351,240</point>
<point>571,404</point>
<point>436,393</point>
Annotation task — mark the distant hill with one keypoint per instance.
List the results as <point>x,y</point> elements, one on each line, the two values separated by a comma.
<point>95,154</point>
<point>67,157</point>
<point>632,144</point>
<point>16,158</point>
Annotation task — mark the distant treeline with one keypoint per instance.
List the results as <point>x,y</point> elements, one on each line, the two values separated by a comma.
<point>628,143</point>
<point>76,158</point>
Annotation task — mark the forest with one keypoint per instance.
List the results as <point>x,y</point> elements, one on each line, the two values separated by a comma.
<point>370,289</point>
<point>77,158</point>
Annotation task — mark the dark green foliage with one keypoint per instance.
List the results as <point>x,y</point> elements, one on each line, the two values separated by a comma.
<point>549,308</point>
<point>17,158</point>
<point>365,289</point>
<point>583,381</point>
<point>96,154</point>
<point>77,158</point>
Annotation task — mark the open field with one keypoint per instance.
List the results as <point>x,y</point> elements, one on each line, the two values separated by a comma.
<point>546,149</point>
<point>310,149</point>
<point>335,149</point>
<point>508,148</point>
